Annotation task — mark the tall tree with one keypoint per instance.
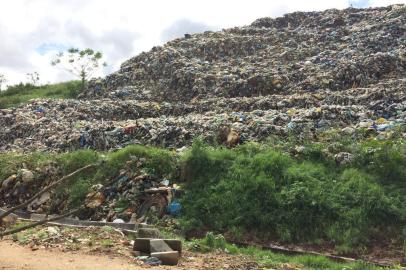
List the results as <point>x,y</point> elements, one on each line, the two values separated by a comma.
<point>81,63</point>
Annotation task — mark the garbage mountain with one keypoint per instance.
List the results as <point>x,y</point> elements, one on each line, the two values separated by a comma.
<point>299,74</point>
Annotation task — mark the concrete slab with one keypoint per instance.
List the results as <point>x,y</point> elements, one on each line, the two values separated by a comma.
<point>144,225</point>
<point>142,245</point>
<point>71,221</point>
<point>158,245</point>
<point>174,244</point>
<point>168,257</point>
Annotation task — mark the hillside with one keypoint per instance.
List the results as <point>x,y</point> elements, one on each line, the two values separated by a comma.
<point>22,93</point>
<point>299,74</point>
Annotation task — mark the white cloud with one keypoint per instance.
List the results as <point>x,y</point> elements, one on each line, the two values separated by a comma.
<point>121,28</point>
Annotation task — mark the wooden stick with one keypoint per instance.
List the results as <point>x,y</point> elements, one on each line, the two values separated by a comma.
<point>11,210</point>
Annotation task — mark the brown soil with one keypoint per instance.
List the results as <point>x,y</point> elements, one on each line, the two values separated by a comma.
<point>15,257</point>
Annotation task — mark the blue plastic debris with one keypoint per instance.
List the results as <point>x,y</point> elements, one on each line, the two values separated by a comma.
<point>174,208</point>
<point>39,110</point>
<point>82,140</point>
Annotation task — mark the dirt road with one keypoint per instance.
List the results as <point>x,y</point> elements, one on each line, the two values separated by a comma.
<point>15,257</point>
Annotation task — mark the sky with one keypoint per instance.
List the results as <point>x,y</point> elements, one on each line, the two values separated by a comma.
<point>33,31</point>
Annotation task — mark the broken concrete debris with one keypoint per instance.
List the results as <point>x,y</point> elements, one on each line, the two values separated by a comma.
<point>167,251</point>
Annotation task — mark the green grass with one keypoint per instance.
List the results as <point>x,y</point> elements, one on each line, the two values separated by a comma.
<point>272,260</point>
<point>22,93</point>
<point>263,191</point>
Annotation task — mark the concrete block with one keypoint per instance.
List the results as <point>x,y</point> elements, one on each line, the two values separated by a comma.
<point>142,245</point>
<point>174,244</point>
<point>158,245</point>
<point>168,257</point>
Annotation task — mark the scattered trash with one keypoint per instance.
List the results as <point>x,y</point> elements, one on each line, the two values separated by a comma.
<point>150,260</point>
<point>295,75</point>
<point>133,195</point>
<point>174,208</point>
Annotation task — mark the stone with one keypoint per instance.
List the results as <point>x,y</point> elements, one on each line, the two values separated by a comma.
<point>8,220</point>
<point>39,201</point>
<point>118,220</point>
<point>343,158</point>
<point>8,182</point>
<point>149,233</point>
<point>167,257</point>
<point>27,175</point>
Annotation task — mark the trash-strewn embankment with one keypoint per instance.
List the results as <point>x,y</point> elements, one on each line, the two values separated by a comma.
<point>336,192</point>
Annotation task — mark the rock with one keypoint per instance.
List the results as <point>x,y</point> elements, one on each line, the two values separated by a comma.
<point>118,220</point>
<point>149,233</point>
<point>53,231</point>
<point>8,220</point>
<point>26,175</point>
<point>8,182</point>
<point>39,201</point>
<point>343,158</point>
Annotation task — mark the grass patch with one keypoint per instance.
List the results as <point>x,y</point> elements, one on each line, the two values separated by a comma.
<point>22,93</point>
<point>264,191</point>
<point>273,260</point>
<point>10,163</point>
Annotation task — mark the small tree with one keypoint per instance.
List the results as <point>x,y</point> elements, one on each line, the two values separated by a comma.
<point>2,80</point>
<point>81,63</point>
<point>33,78</point>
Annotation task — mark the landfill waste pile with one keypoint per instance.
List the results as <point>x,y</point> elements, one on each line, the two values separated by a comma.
<point>298,74</point>
<point>134,195</point>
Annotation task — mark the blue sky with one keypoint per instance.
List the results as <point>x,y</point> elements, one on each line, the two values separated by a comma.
<point>360,3</point>
<point>44,48</point>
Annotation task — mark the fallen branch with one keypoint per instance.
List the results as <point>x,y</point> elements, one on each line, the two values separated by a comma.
<point>24,204</point>
<point>32,225</point>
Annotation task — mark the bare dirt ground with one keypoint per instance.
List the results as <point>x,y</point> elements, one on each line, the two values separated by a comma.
<point>16,257</point>
<point>54,248</point>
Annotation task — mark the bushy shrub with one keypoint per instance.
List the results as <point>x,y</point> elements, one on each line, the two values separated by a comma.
<point>262,190</point>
